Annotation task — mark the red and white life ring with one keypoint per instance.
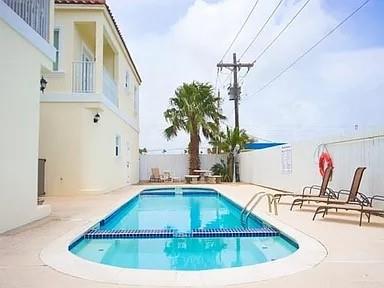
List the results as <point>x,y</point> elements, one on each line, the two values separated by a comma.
<point>325,161</point>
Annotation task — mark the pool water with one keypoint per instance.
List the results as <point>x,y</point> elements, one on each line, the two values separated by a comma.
<point>181,211</point>
<point>184,253</point>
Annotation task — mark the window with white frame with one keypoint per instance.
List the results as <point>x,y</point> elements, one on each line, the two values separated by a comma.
<point>117,145</point>
<point>56,44</point>
<point>127,80</point>
<point>136,100</point>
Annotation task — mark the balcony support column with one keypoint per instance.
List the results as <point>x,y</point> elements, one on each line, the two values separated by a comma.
<point>99,57</point>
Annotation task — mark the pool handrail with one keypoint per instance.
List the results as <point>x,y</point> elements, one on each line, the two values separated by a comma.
<point>261,195</point>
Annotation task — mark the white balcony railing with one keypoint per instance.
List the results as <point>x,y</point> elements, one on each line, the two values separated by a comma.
<point>34,12</point>
<point>110,88</point>
<point>83,77</point>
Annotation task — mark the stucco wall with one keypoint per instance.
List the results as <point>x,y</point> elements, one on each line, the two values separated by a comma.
<point>80,153</point>
<point>20,72</point>
<point>264,167</point>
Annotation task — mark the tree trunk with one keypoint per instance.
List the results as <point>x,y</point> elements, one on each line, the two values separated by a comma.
<point>194,161</point>
<point>230,166</point>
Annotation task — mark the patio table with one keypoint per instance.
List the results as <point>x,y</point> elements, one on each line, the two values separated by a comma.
<point>203,173</point>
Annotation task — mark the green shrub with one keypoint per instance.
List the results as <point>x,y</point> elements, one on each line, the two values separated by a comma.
<point>221,169</point>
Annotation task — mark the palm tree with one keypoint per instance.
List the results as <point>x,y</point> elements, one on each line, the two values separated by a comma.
<point>226,141</point>
<point>193,109</point>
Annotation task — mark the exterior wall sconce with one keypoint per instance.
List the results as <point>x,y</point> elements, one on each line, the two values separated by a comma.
<point>96,118</point>
<point>43,84</point>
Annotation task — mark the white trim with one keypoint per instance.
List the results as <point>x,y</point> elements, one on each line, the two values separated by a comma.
<point>26,31</point>
<point>89,98</point>
<point>60,49</point>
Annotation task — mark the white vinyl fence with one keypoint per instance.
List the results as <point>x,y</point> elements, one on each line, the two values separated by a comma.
<point>290,167</point>
<point>176,164</point>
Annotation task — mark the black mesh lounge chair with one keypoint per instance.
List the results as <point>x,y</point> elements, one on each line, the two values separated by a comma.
<point>323,189</point>
<point>334,198</point>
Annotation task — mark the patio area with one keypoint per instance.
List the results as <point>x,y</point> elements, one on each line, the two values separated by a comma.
<point>355,254</point>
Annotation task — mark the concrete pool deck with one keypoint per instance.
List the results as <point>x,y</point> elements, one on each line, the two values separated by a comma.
<point>355,255</point>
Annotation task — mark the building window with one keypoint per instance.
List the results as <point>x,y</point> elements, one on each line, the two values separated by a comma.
<point>56,44</point>
<point>136,100</point>
<point>117,145</point>
<point>126,84</point>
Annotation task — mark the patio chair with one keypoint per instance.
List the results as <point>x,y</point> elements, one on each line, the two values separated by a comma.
<point>323,188</point>
<point>334,198</point>
<point>356,201</point>
<point>364,206</point>
<point>156,176</point>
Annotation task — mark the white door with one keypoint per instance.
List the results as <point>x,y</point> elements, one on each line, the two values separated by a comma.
<point>86,71</point>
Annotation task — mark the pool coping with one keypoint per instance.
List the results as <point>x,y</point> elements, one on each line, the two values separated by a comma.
<point>310,253</point>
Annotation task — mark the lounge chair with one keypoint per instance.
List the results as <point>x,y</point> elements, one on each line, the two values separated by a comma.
<point>362,206</point>
<point>334,198</point>
<point>156,176</point>
<point>359,203</point>
<point>323,189</point>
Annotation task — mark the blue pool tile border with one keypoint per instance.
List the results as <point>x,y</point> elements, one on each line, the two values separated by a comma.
<point>154,193</point>
<point>177,191</point>
<point>171,233</point>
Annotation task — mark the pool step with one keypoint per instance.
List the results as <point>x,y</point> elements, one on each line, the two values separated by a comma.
<point>236,232</point>
<point>169,233</point>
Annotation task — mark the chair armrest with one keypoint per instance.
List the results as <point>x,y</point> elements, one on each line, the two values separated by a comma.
<point>316,187</point>
<point>377,198</point>
<point>342,191</point>
<point>363,199</point>
<point>332,194</point>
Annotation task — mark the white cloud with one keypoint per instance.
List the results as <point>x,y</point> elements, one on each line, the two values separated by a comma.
<point>322,94</point>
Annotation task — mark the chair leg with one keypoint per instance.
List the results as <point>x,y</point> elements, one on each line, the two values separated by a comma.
<point>325,212</point>
<point>294,203</point>
<point>361,218</point>
<point>318,210</point>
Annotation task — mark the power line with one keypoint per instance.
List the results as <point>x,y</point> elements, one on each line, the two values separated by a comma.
<point>278,35</point>
<point>311,48</point>
<point>261,29</point>
<point>241,29</point>
<point>281,32</point>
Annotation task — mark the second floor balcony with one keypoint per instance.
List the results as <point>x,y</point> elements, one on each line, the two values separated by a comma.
<point>84,79</point>
<point>34,12</point>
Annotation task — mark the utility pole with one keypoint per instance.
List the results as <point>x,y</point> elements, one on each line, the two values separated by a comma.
<point>235,90</point>
<point>234,94</point>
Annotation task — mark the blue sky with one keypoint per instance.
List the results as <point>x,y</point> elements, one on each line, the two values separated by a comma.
<point>338,85</point>
<point>367,25</point>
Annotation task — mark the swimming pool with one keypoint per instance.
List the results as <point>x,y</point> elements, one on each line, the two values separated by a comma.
<point>181,229</point>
